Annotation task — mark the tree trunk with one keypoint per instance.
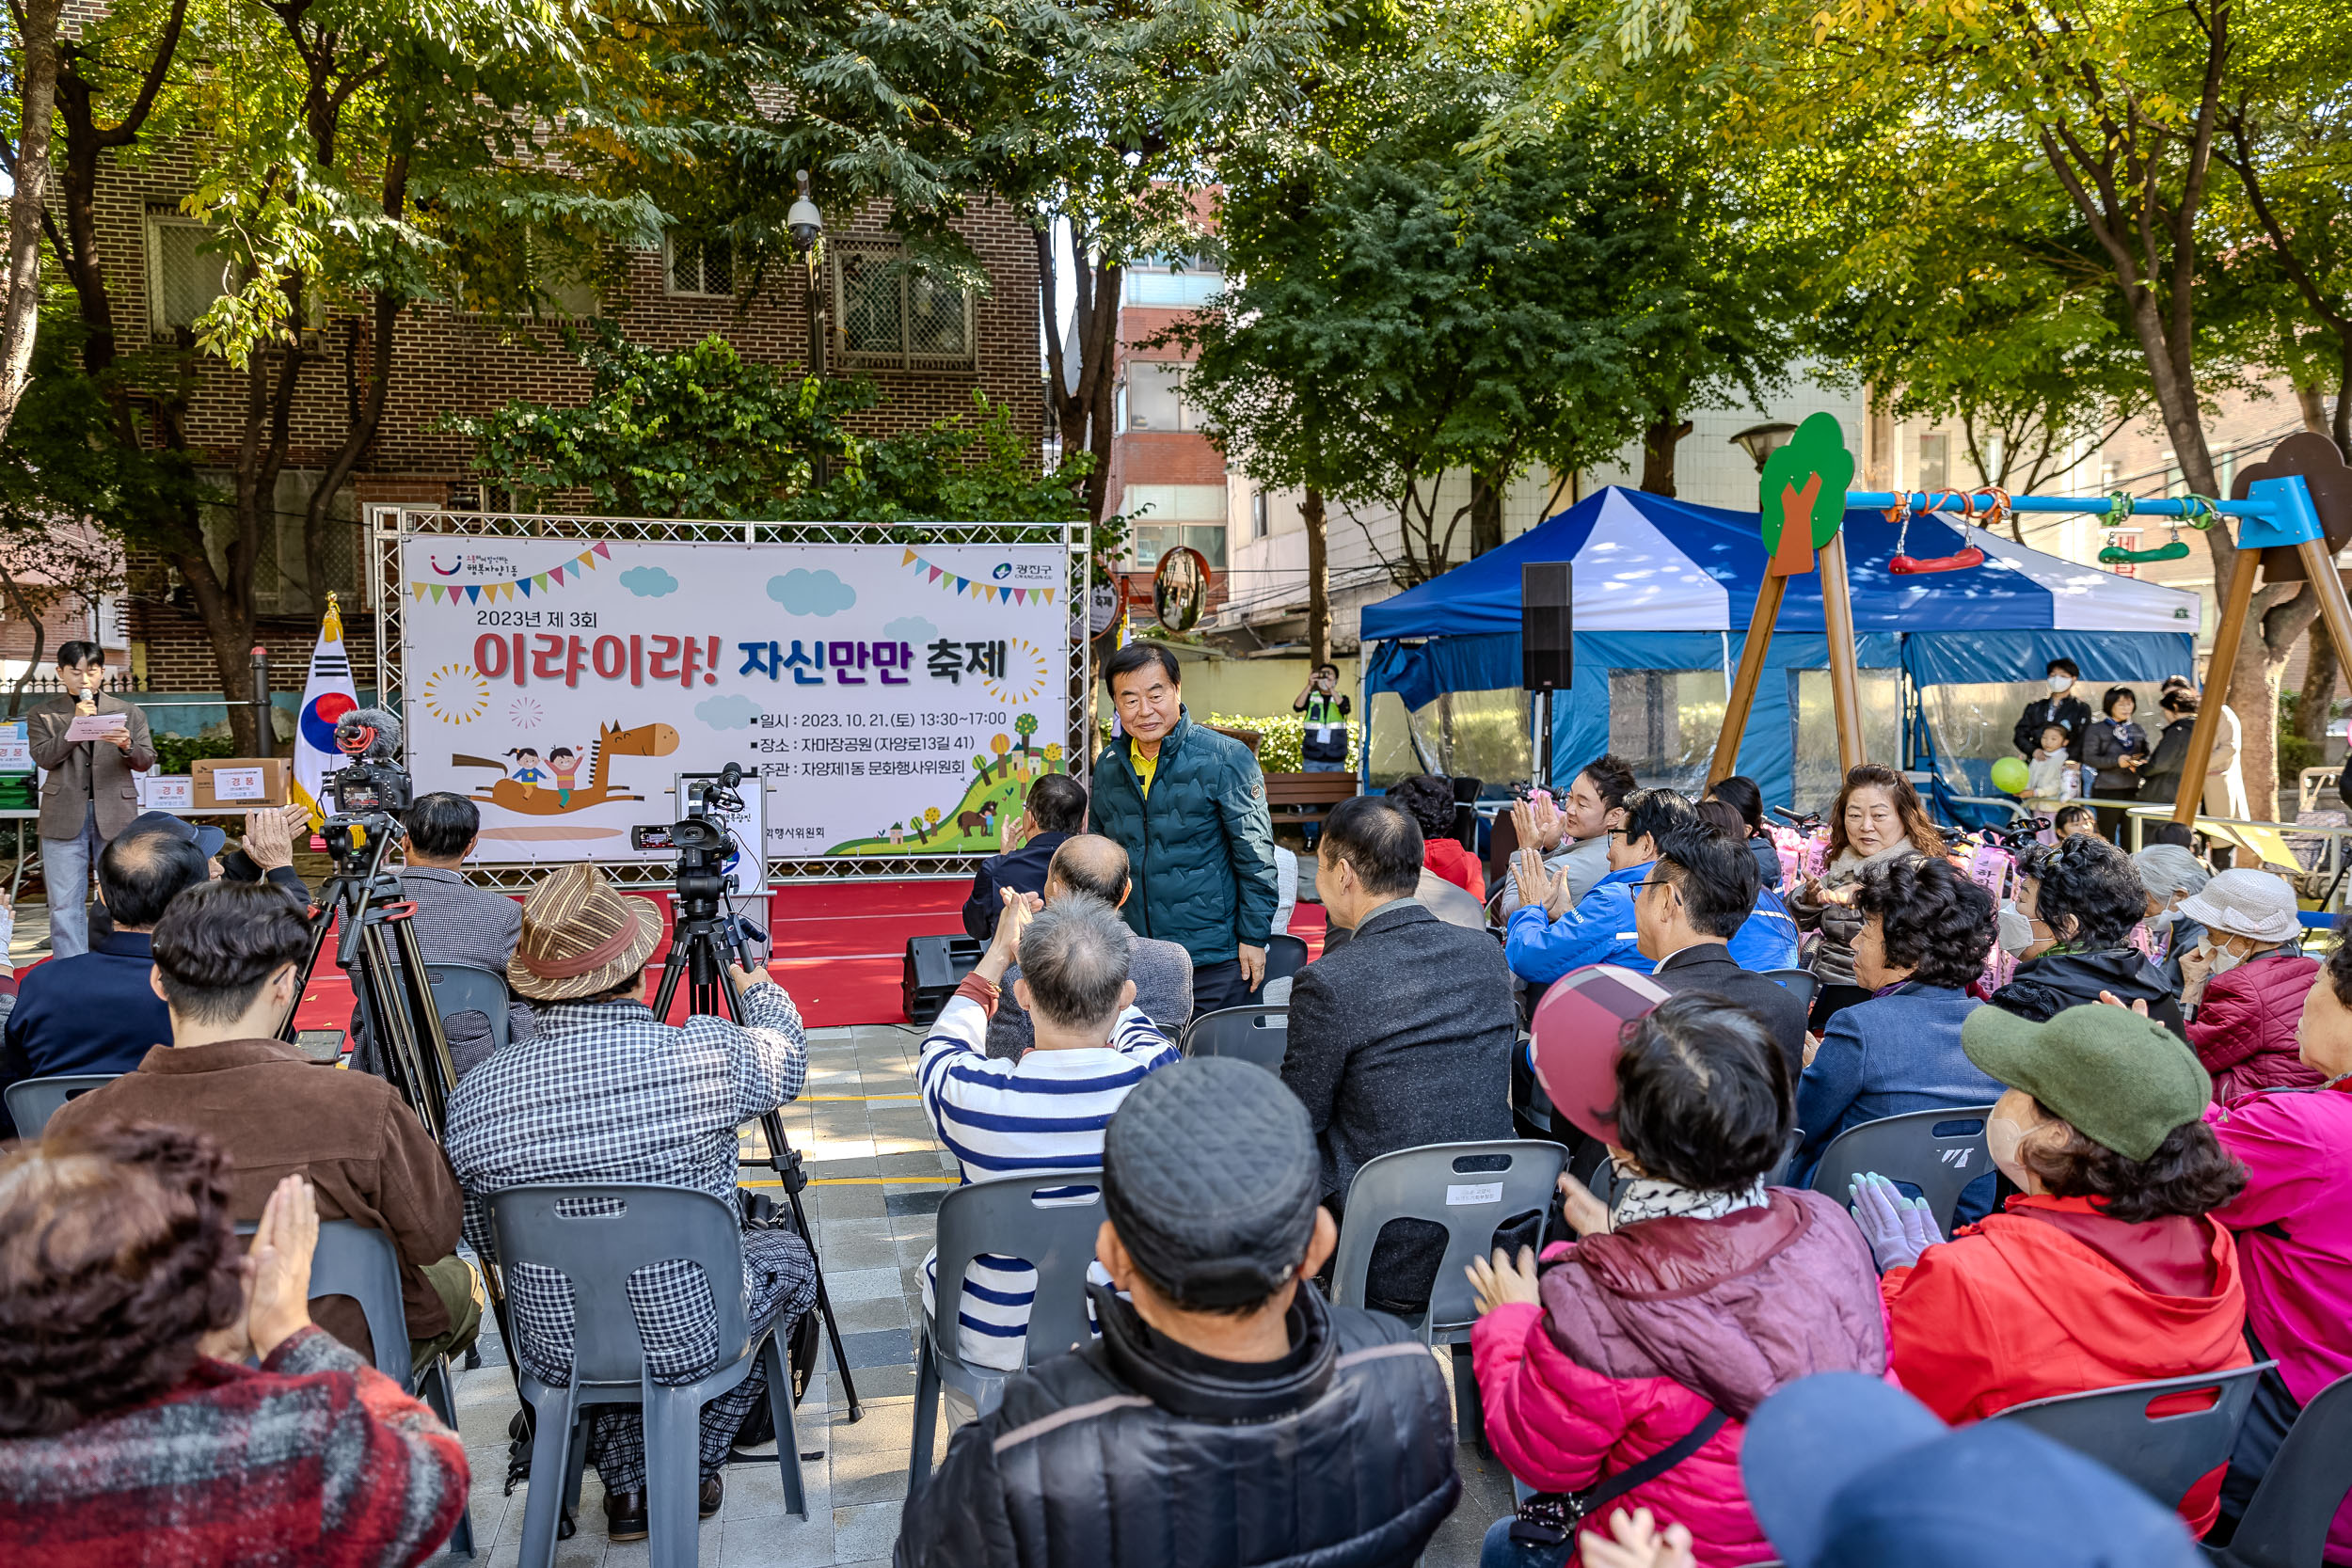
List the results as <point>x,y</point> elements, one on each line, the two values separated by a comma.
<point>32,664</point>
<point>28,204</point>
<point>1658,453</point>
<point>2318,695</point>
<point>1486,518</point>
<point>1318,577</point>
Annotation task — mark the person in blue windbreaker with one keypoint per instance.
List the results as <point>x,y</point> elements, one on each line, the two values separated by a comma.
<point>1767,938</point>
<point>1600,930</point>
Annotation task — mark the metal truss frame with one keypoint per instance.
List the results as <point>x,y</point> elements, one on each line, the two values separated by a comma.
<point>390,525</point>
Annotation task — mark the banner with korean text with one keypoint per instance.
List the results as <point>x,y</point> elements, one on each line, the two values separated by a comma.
<point>896,701</point>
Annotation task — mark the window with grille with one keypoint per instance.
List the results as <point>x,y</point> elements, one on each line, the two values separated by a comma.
<point>889,316</point>
<point>701,267</point>
<point>184,275</point>
<point>280,576</point>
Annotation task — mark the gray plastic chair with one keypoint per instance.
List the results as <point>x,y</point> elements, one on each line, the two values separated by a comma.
<point>2285,1525</point>
<point>2162,1455</point>
<point>1802,982</point>
<point>471,988</point>
<point>1285,955</point>
<point>1937,1151</point>
<point>33,1101</point>
<point>355,1262</point>
<point>1003,1217</point>
<point>597,1252</point>
<point>1260,1035</point>
<point>1457,1186</point>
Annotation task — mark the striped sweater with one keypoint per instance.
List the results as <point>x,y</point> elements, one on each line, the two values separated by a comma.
<point>317,1459</point>
<point>1043,1112</point>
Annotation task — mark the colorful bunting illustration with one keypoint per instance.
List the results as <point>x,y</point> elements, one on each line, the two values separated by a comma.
<point>963,587</point>
<point>439,592</point>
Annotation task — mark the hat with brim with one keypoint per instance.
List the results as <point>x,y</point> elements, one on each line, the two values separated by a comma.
<point>580,935</point>
<point>1845,1471</point>
<point>1578,1032</point>
<point>2123,1080</point>
<point>2246,903</point>
<point>207,838</point>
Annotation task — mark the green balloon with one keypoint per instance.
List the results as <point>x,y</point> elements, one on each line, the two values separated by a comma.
<point>2010,776</point>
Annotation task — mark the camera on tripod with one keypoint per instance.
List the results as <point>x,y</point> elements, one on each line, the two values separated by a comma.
<point>369,792</point>
<point>702,842</point>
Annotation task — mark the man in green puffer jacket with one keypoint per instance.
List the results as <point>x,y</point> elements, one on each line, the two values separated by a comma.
<point>1188,805</point>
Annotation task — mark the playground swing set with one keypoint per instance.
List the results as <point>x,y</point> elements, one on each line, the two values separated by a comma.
<point>2294,514</point>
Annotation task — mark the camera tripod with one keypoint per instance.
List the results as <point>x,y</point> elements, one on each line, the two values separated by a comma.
<point>701,943</point>
<point>397,1015</point>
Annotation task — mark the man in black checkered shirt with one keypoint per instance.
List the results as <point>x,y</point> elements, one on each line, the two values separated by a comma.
<point>605,1092</point>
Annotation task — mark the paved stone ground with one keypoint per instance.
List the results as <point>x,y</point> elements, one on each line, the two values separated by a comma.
<point>877,1180</point>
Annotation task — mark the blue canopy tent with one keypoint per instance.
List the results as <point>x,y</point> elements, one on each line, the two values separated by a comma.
<point>1665,586</point>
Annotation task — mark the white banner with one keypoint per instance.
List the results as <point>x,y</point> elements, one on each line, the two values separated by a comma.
<point>896,702</point>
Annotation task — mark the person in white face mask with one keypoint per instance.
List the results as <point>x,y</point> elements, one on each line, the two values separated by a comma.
<point>2061,708</point>
<point>2169,874</point>
<point>2080,899</point>
<point>2246,985</point>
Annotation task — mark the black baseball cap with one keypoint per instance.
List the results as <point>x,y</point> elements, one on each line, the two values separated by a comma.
<point>207,838</point>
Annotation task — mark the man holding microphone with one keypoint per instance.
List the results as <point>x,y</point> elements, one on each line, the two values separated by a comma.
<point>89,795</point>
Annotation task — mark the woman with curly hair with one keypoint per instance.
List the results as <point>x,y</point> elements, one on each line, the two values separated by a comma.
<point>1925,931</point>
<point>1876,817</point>
<point>1428,799</point>
<point>2294,1231</point>
<point>130,1431</point>
<point>2110,1267</point>
<point>2081,898</point>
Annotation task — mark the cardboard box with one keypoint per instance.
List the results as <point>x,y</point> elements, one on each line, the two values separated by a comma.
<point>241,784</point>
<point>166,792</point>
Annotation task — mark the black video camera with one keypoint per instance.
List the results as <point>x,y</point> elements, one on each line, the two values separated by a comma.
<point>700,842</point>
<point>369,792</point>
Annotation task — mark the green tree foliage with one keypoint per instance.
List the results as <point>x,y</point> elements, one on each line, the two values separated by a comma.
<point>704,433</point>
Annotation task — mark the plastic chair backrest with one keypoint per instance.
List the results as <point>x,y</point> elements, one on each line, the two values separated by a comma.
<point>1803,983</point>
<point>1285,955</point>
<point>1469,1188</point>
<point>1004,1218</point>
<point>33,1101</point>
<point>2162,1455</point>
<point>469,989</point>
<point>1937,1151</point>
<point>1260,1035</point>
<point>567,1229</point>
<point>2285,1524</point>
<point>353,1260</point>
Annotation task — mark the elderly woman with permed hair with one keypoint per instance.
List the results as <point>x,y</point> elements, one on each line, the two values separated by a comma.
<point>130,1427</point>
<point>2083,898</point>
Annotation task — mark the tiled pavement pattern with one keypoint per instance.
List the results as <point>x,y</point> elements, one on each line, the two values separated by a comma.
<point>878,1177</point>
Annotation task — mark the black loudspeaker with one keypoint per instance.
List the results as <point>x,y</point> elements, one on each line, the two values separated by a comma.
<point>934,967</point>
<point>1546,626</point>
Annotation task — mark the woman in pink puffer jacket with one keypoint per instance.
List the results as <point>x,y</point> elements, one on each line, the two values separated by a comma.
<point>1701,1291</point>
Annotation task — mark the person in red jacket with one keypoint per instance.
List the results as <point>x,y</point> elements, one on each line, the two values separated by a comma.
<point>1681,1308</point>
<point>2108,1268</point>
<point>1429,800</point>
<point>2242,994</point>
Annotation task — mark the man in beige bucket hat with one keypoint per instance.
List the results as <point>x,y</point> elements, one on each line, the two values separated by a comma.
<point>605,1092</point>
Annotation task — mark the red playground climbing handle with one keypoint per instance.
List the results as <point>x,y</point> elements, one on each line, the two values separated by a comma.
<point>1911,566</point>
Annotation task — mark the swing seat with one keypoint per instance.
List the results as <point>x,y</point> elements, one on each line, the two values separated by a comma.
<point>1907,565</point>
<point>2115,555</point>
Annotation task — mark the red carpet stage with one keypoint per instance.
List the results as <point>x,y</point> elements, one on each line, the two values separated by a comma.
<point>840,949</point>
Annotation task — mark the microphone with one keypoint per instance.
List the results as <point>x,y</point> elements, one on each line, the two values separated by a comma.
<point>731,775</point>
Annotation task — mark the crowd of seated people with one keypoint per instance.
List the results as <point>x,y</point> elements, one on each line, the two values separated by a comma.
<point>2168,1159</point>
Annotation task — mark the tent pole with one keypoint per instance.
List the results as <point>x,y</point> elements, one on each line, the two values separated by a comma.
<point>1742,694</point>
<point>1845,679</point>
<point>2234,602</point>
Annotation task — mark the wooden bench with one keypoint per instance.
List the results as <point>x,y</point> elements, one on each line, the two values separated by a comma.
<point>1307,797</point>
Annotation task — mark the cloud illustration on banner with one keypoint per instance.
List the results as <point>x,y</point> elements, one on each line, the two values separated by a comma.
<point>910,629</point>
<point>804,592</point>
<point>649,582</point>
<point>729,713</point>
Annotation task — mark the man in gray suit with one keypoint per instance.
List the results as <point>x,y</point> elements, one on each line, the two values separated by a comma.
<point>1401,1038</point>
<point>456,922</point>
<point>89,795</point>
<point>1162,970</point>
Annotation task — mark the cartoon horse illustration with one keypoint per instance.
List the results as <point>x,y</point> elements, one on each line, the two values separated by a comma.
<point>646,740</point>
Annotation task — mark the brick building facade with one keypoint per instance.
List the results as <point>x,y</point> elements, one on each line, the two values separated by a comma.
<point>927,350</point>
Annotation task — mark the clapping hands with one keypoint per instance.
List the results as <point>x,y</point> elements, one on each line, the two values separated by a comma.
<point>1899,1228</point>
